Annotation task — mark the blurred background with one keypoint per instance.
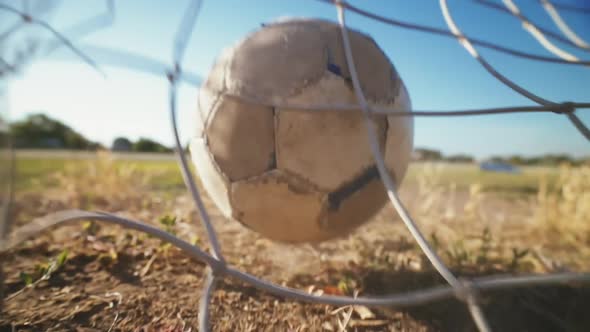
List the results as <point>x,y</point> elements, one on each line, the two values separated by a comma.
<point>440,74</point>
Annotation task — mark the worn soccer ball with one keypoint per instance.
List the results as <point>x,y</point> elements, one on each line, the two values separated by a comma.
<point>297,175</point>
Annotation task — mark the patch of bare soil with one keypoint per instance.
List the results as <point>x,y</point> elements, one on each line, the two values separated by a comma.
<point>119,280</point>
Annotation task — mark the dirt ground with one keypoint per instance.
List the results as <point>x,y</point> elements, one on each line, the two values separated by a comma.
<point>118,280</point>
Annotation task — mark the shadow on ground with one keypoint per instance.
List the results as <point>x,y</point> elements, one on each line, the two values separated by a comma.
<point>539,309</point>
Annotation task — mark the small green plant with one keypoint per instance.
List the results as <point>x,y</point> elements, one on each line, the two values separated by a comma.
<point>485,246</point>
<point>347,285</point>
<point>195,240</point>
<point>26,278</point>
<point>108,258</point>
<point>169,223</point>
<point>45,270</point>
<point>458,254</point>
<point>91,227</point>
<point>435,241</point>
<point>517,256</point>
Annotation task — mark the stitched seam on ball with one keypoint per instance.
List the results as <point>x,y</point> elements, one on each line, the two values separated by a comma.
<point>336,198</point>
<point>350,185</point>
<point>218,171</point>
<point>210,115</point>
<point>224,177</point>
<point>397,79</point>
<point>299,179</point>
<point>385,135</point>
<point>235,214</point>
<point>275,122</point>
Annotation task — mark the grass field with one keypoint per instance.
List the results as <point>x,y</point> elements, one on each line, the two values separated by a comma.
<point>464,175</point>
<point>92,277</point>
<point>34,170</point>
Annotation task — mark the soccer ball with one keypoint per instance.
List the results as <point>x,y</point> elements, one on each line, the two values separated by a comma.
<point>297,175</point>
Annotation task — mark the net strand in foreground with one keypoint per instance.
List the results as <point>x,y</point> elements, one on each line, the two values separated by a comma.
<point>538,34</point>
<point>462,291</point>
<point>468,45</point>
<point>60,37</point>
<point>565,29</point>
<point>407,299</point>
<point>566,40</point>
<point>446,33</point>
<point>180,43</point>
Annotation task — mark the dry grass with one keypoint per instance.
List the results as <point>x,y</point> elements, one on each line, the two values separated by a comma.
<point>562,216</point>
<point>476,231</point>
<point>100,179</point>
<point>554,223</point>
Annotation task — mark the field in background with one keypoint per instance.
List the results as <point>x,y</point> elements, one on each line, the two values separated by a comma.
<point>36,167</point>
<point>526,181</point>
<point>104,277</point>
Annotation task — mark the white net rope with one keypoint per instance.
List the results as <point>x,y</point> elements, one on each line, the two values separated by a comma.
<point>465,290</point>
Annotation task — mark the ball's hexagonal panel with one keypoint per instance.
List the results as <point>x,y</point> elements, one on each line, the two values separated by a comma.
<point>377,75</point>
<point>215,184</point>
<point>277,61</point>
<point>400,137</point>
<point>327,149</point>
<point>241,138</point>
<point>345,213</point>
<point>278,206</point>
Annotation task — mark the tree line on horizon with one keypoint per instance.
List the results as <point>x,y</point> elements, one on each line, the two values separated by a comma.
<point>39,131</point>
<point>425,154</point>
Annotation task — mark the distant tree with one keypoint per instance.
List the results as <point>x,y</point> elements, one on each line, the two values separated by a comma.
<point>95,146</point>
<point>427,154</point>
<point>532,161</point>
<point>460,158</point>
<point>42,132</point>
<point>545,160</point>
<point>122,144</point>
<point>516,160</point>
<point>556,159</point>
<point>496,159</point>
<point>148,145</point>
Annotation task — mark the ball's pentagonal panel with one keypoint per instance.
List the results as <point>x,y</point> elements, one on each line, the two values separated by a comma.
<point>400,137</point>
<point>348,210</point>
<point>327,149</point>
<point>277,62</point>
<point>241,138</point>
<point>211,177</point>
<point>376,74</point>
<point>278,206</point>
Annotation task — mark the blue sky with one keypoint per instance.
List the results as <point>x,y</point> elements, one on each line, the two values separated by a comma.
<point>439,74</point>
